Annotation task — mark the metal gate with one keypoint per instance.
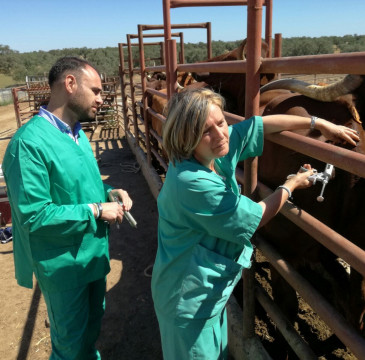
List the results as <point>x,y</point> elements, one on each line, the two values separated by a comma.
<point>341,158</point>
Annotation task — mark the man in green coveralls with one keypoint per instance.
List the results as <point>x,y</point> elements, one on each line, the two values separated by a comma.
<point>60,209</point>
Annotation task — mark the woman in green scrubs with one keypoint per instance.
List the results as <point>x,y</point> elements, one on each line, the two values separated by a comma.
<point>205,224</point>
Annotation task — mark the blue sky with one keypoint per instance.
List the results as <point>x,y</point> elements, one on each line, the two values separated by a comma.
<point>31,25</point>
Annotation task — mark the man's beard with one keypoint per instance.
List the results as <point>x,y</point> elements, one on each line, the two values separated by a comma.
<point>87,117</point>
<point>82,113</point>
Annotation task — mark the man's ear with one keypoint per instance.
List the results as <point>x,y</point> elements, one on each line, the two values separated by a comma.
<point>70,83</point>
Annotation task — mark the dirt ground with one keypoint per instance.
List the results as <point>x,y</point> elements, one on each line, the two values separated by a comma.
<point>130,329</point>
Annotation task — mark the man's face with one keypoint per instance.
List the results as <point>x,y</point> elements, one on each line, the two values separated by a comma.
<point>87,98</point>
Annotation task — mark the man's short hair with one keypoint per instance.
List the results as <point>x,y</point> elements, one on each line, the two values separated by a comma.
<point>187,112</point>
<point>72,63</point>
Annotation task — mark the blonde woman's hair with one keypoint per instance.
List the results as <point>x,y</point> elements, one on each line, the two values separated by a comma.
<point>187,112</point>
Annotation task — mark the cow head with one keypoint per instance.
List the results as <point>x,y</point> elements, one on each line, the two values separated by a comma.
<point>233,86</point>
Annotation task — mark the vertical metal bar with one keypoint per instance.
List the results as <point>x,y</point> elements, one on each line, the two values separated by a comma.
<point>268,26</point>
<point>167,35</point>
<point>122,87</point>
<point>162,51</point>
<point>182,54</point>
<point>254,25</point>
<point>278,46</point>
<point>144,93</point>
<point>278,49</point>
<point>172,84</point>
<point>209,40</point>
<point>16,107</point>
<point>133,97</point>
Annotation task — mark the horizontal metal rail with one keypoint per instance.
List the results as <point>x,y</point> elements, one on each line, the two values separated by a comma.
<point>193,3</point>
<point>157,115</point>
<point>156,136</point>
<point>234,66</point>
<point>295,341</point>
<point>140,118</point>
<point>345,159</point>
<point>158,68</point>
<point>329,238</point>
<point>159,158</point>
<point>345,63</point>
<point>156,92</point>
<point>177,26</point>
<point>136,36</point>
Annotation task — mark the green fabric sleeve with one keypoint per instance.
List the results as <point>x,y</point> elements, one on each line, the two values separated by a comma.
<point>247,139</point>
<point>209,206</point>
<point>30,189</point>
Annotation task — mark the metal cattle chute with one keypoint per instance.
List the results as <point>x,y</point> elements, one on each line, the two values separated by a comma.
<point>243,341</point>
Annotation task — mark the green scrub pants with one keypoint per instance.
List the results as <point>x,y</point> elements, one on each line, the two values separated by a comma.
<point>75,318</point>
<point>195,341</point>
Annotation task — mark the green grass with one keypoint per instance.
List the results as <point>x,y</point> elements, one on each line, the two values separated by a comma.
<point>4,103</point>
<point>6,80</point>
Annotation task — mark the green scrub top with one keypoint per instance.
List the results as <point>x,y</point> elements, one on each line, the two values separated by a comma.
<point>204,231</point>
<point>50,181</point>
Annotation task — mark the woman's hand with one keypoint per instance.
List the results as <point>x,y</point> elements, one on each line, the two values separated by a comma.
<point>272,204</point>
<point>300,179</point>
<point>337,133</point>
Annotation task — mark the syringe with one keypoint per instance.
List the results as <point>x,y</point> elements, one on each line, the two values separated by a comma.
<point>127,214</point>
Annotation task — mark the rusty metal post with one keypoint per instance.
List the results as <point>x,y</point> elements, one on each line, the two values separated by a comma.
<point>122,87</point>
<point>131,82</point>
<point>144,94</point>
<point>162,52</point>
<point>182,54</point>
<point>167,35</point>
<point>16,107</point>
<point>209,40</point>
<point>254,24</point>
<point>268,25</point>
<point>278,48</point>
<point>278,45</point>
<point>172,84</point>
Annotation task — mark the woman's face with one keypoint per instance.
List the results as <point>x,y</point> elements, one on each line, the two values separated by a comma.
<point>215,140</point>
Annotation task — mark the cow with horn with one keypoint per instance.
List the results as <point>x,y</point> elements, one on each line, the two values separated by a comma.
<point>342,103</point>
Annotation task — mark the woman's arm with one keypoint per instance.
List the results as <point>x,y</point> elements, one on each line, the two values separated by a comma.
<point>272,204</point>
<point>336,133</point>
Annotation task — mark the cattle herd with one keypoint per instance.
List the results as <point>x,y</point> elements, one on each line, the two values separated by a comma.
<point>342,103</point>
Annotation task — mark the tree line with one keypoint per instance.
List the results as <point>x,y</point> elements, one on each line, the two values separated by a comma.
<point>19,65</point>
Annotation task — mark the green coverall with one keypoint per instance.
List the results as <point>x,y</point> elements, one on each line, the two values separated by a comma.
<point>204,233</point>
<point>50,181</point>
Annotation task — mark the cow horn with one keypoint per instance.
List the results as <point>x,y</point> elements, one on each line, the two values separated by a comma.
<point>323,93</point>
<point>242,50</point>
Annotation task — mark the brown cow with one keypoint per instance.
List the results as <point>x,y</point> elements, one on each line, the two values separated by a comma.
<point>345,189</point>
<point>233,86</point>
